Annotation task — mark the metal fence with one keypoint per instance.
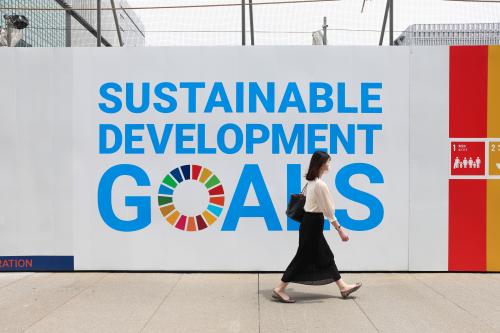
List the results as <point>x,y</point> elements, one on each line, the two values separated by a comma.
<point>56,23</point>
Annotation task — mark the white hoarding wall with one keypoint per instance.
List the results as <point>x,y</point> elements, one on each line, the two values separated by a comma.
<point>36,160</point>
<point>184,158</point>
<point>429,159</point>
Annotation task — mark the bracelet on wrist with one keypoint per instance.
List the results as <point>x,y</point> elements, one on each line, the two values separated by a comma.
<point>337,228</point>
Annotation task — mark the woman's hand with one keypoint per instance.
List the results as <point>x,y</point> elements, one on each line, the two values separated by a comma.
<point>343,235</point>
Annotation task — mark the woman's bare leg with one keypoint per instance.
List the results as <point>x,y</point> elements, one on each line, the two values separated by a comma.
<point>280,289</point>
<point>343,286</point>
<point>281,286</point>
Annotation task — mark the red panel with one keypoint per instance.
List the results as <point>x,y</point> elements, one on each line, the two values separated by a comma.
<point>468,91</point>
<point>467,225</point>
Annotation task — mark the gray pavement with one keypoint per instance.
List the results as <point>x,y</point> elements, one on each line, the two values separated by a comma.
<point>225,302</point>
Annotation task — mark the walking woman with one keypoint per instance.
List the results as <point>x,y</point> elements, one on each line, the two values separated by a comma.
<point>314,263</point>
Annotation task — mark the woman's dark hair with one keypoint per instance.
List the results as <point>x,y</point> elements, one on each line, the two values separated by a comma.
<point>317,160</point>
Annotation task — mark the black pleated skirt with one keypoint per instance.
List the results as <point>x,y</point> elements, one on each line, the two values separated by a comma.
<point>313,263</point>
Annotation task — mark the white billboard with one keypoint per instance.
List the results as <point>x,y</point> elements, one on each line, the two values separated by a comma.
<point>186,157</point>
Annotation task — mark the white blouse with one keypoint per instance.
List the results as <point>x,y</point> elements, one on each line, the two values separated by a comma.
<point>319,199</point>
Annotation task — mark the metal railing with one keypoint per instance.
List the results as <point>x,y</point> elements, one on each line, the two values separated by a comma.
<point>451,34</point>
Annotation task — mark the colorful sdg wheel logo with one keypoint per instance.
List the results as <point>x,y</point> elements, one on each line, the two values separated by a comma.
<point>191,197</point>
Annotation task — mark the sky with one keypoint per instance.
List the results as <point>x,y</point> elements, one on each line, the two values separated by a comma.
<point>292,24</point>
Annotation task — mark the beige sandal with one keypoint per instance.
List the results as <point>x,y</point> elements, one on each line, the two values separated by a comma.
<point>281,299</point>
<point>347,292</point>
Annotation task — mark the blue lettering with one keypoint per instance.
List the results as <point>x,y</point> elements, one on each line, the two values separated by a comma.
<point>312,138</point>
<point>130,138</point>
<point>180,138</point>
<point>366,97</point>
<point>279,136</point>
<point>103,147</point>
<point>251,175</point>
<point>129,93</point>
<point>315,97</point>
<point>142,203</point>
<point>172,103</point>
<point>348,143</point>
<point>159,145</point>
<point>374,205</point>
<point>191,87</point>
<point>218,91</point>
<point>103,91</point>
<point>202,149</point>
<point>369,128</point>
<point>267,100</point>
<point>292,90</point>
<point>221,138</point>
<point>251,139</point>
<point>341,100</point>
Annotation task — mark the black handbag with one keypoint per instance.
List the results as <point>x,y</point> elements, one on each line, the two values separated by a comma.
<point>295,208</point>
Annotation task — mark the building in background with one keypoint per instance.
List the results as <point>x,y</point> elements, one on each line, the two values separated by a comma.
<point>450,34</point>
<point>46,28</point>
<point>77,26</point>
<point>131,27</point>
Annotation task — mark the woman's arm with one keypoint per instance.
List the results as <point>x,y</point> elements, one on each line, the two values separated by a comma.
<point>326,203</point>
